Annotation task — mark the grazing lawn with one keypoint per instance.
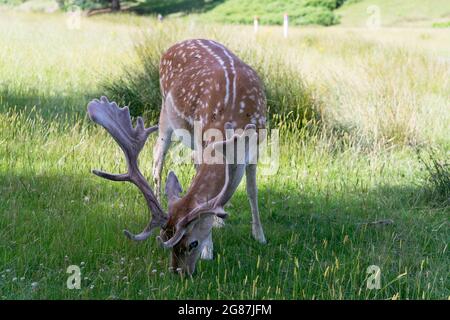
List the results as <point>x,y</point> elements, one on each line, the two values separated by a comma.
<point>377,103</point>
<point>395,12</point>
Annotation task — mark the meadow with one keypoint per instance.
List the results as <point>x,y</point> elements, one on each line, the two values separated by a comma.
<point>396,12</point>
<point>363,178</point>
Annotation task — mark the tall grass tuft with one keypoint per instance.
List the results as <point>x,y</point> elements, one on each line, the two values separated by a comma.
<point>437,178</point>
<point>291,104</point>
<point>138,86</point>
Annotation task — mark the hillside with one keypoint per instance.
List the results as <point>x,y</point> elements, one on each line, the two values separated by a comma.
<point>396,12</point>
<point>304,12</point>
<point>270,12</point>
<point>301,12</point>
<point>348,13</point>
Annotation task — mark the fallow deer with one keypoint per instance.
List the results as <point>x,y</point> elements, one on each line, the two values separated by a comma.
<point>201,82</point>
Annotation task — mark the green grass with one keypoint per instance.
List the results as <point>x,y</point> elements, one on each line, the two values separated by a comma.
<point>396,12</point>
<point>331,183</point>
<point>270,12</point>
<point>301,12</point>
<point>353,13</point>
<point>445,24</point>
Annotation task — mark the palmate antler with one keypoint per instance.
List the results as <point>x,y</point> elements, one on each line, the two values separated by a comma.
<point>131,140</point>
<point>234,170</point>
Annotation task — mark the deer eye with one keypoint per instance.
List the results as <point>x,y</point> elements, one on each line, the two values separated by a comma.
<point>193,245</point>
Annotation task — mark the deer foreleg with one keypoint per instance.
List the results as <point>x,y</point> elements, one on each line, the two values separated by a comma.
<point>160,151</point>
<point>252,192</point>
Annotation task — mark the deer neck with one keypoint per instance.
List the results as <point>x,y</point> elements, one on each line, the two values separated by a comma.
<point>206,184</point>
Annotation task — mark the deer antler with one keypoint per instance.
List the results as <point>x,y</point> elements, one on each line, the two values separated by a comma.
<point>131,140</point>
<point>233,174</point>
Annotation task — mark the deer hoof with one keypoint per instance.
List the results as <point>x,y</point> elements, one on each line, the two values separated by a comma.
<point>258,234</point>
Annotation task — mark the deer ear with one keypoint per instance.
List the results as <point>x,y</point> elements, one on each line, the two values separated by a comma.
<point>173,187</point>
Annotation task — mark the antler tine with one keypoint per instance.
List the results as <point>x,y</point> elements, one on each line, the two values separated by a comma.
<point>233,171</point>
<point>117,122</point>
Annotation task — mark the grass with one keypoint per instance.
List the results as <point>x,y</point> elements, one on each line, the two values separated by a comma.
<point>316,211</point>
<point>445,24</point>
<point>302,12</point>
<point>438,174</point>
<point>270,12</point>
<point>395,12</point>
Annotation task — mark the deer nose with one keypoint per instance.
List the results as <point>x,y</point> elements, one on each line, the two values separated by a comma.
<point>180,271</point>
<point>190,268</point>
<point>183,269</point>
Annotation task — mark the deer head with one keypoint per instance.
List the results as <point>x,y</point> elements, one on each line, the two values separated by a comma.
<point>188,222</point>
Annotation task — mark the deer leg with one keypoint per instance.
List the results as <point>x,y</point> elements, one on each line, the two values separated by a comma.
<point>160,151</point>
<point>252,193</point>
<point>207,251</point>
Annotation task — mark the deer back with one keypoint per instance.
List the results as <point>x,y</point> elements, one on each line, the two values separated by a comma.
<point>206,82</point>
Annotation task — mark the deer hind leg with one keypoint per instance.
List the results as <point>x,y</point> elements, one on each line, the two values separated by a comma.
<point>207,251</point>
<point>160,151</point>
<point>252,193</point>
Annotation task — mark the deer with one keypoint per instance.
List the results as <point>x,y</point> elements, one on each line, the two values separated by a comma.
<point>202,82</point>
